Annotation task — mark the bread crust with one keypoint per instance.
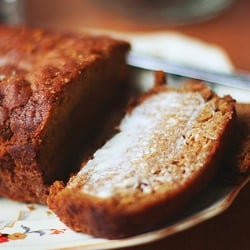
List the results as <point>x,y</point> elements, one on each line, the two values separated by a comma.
<point>41,73</point>
<point>125,215</point>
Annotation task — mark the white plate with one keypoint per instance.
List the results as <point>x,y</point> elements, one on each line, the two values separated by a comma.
<point>28,226</point>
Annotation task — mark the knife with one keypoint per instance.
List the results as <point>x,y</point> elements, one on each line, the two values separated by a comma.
<point>148,62</point>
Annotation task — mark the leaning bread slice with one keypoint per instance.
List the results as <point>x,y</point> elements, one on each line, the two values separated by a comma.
<point>167,150</point>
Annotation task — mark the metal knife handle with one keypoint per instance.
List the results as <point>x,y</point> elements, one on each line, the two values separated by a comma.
<point>239,81</point>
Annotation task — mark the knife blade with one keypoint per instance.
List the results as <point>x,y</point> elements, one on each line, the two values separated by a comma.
<point>148,62</point>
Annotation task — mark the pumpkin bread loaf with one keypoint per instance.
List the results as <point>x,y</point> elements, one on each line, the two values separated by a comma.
<point>53,91</point>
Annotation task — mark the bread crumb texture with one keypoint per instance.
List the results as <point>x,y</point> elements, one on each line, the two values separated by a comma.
<point>160,144</point>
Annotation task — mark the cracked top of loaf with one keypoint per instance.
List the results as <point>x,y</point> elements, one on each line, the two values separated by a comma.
<point>35,66</point>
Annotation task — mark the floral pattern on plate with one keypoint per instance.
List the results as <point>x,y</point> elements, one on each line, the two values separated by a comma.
<point>31,226</point>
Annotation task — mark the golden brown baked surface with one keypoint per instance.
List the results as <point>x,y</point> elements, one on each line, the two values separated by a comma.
<point>52,88</point>
<point>168,149</point>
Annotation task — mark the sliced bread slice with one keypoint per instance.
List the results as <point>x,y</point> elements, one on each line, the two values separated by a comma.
<point>167,150</point>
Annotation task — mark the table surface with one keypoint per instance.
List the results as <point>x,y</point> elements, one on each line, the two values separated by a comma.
<point>230,30</point>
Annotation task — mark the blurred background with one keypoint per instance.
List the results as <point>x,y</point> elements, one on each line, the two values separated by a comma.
<point>224,23</point>
<point>109,13</point>
<point>206,33</point>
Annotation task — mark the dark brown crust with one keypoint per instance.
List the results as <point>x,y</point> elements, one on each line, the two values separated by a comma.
<point>109,217</point>
<point>37,69</point>
<point>191,85</point>
<point>239,161</point>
